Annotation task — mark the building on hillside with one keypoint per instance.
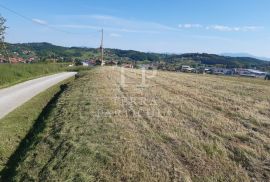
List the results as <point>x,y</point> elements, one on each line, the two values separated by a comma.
<point>126,65</point>
<point>85,63</point>
<point>145,66</point>
<point>26,52</point>
<point>15,60</point>
<point>2,60</point>
<point>267,76</point>
<point>251,73</point>
<point>31,59</point>
<point>148,66</point>
<point>111,63</point>
<point>222,71</point>
<point>188,69</point>
<point>202,70</point>
<point>91,62</point>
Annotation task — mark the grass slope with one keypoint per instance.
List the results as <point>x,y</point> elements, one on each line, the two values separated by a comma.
<point>16,125</point>
<point>180,127</point>
<point>11,74</point>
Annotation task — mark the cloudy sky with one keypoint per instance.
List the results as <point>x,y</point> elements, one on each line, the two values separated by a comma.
<point>175,26</point>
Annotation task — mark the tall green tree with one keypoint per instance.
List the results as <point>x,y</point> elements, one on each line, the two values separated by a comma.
<point>2,28</point>
<point>2,35</point>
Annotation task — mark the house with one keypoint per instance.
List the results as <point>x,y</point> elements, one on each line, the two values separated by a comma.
<point>26,52</point>
<point>251,73</point>
<point>186,68</point>
<point>31,59</point>
<point>15,60</point>
<point>222,71</point>
<point>111,63</point>
<point>2,60</point>
<point>267,77</point>
<point>21,60</point>
<point>148,66</point>
<point>202,70</point>
<point>85,63</point>
<point>91,62</point>
<point>128,65</point>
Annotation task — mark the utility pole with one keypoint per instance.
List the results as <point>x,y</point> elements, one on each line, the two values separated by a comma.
<point>102,49</point>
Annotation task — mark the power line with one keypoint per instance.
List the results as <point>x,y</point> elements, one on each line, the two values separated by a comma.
<point>32,21</point>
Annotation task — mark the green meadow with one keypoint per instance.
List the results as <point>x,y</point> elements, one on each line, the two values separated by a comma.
<point>11,74</point>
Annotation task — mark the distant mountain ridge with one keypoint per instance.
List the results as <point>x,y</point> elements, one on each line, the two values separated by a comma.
<point>47,52</point>
<point>245,55</point>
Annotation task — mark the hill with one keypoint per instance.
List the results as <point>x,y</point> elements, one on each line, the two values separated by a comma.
<point>48,52</point>
<point>245,55</point>
<point>177,127</point>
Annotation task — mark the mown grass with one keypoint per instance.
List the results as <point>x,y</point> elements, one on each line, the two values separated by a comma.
<point>16,125</point>
<point>178,127</point>
<point>11,74</point>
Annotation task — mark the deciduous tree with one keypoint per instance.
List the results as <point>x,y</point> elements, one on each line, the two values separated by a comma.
<point>2,29</point>
<point>2,35</point>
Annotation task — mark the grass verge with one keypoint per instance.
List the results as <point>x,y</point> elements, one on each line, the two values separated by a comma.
<point>11,74</point>
<point>16,125</point>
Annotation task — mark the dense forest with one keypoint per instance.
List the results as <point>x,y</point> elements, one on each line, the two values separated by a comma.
<point>45,52</point>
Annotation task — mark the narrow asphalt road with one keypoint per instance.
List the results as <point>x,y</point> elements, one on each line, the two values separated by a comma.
<point>15,96</point>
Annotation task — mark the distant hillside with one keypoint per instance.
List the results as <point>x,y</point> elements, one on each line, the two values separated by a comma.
<point>222,61</point>
<point>48,52</point>
<point>245,55</point>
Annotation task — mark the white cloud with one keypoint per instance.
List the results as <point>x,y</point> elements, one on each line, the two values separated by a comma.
<point>224,28</point>
<point>219,28</point>
<point>78,26</point>
<point>115,24</point>
<point>39,21</point>
<point>115,35</point>
<point>212,38</point>
<point>122,24</point>
<point>190,26</point>
<point>91,27</point>
<point>102,17</point>
<point>252,28</point>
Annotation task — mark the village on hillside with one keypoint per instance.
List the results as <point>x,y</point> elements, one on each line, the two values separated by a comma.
<point>252,73</point>
<point>16,57</point>
<point>28,57</point>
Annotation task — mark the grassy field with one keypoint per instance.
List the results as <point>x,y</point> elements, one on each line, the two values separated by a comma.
<point>177,127</point>
<point>16,125</point>
<point>11,74</point>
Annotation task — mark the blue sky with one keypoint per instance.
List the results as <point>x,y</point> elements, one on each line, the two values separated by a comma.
<point>174,26</point>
